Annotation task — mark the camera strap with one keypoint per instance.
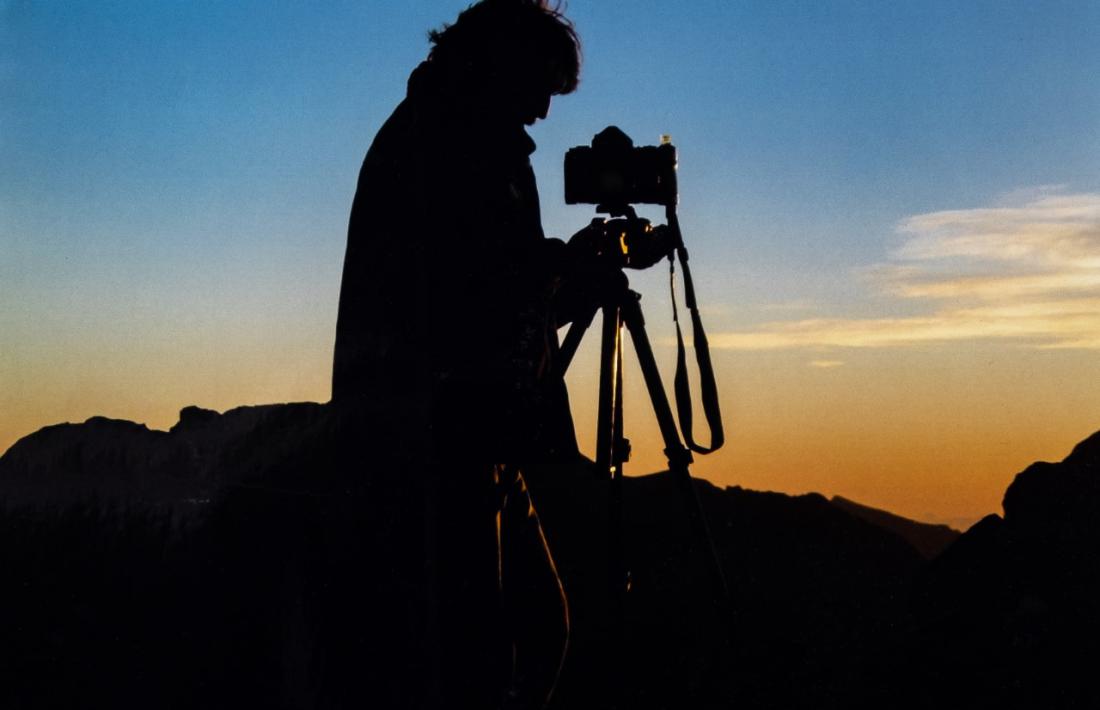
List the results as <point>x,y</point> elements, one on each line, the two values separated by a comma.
<point>707,385</point>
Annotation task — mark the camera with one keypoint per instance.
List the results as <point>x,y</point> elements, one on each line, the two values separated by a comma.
<point>612,172</point>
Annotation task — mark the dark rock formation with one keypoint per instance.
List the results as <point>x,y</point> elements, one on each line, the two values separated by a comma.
<point>124,461</point>
<point>245,560</point>
<point>1009,616</point>
<point>817,595</point>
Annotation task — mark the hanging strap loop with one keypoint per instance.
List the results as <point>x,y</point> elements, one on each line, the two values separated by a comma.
<point>707,385</point>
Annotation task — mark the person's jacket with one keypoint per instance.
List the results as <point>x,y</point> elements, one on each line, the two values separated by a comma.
<point>446,304</point>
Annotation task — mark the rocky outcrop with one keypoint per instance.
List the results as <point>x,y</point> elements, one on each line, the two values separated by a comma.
<point>1009,616</point>
<point>118,460</point>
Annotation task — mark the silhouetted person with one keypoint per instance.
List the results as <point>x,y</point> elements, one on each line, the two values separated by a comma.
<point>449,305</point>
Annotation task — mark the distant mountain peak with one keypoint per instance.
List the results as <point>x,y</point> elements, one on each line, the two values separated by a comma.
<point>928,539</point>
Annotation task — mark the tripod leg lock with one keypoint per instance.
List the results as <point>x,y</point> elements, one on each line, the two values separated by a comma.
<point>678,456</point>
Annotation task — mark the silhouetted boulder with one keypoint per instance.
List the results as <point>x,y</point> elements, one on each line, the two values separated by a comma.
<point>1058,501</point>
<point>1010,614</point>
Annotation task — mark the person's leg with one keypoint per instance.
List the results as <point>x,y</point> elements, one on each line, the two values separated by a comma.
<point>472,653</point>
<point>536,608</point>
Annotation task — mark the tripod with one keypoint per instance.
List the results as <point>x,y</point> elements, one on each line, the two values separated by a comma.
<point>613,449</point>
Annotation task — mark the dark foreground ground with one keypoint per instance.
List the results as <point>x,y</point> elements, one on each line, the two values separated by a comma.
<point>226,564</point>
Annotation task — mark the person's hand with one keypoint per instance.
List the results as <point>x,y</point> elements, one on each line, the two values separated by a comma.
<point>594,277</point>
<point>594,242</point>
<point>631,243</point>
<point>645,247</point>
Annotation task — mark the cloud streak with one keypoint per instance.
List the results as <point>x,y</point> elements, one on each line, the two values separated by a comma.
<point>1027,272</point>
<point>826,364</point>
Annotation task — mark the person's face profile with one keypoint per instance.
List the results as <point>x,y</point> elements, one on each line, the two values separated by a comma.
<point>535,106</point>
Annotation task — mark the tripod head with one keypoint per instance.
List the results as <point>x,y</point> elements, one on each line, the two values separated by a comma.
<point>626,240</point>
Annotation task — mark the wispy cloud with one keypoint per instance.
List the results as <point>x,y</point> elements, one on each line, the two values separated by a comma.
<point>826,364</point>
<point>1027,270</point>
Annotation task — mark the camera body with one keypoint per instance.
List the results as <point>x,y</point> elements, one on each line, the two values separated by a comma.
<point>613,172</point>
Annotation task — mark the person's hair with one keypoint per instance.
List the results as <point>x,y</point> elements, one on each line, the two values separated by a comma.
<point>519,41</point>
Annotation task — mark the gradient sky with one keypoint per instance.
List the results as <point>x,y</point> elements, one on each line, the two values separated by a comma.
<point>893,210</point>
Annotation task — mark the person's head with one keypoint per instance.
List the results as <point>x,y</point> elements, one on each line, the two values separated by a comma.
<point>520,51</point>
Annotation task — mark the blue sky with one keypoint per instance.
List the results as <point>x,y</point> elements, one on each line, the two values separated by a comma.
<point>175,180</point>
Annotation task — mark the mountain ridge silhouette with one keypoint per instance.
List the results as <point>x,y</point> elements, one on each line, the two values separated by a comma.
<point>216,559</point>
<point>930,539</point>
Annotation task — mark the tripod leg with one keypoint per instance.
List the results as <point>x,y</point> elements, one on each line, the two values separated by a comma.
<point>616,546</point>
<point>611,448</point>
<point>610,453</point>
<point>678,455</point>
<point>610,348</point>
<point>573,340</point>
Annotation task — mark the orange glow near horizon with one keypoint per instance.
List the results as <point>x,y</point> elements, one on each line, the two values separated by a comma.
<point>976,358</point>
<point>931,433</point>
